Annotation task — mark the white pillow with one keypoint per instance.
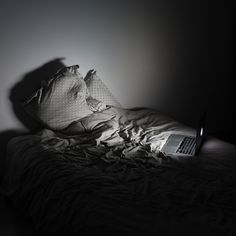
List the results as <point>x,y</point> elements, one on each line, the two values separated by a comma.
<point>61,100</point>
<point>99,91</point>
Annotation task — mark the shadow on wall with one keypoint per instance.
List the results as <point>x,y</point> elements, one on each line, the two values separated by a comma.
<point>29,84</point>
<point>18,93</point>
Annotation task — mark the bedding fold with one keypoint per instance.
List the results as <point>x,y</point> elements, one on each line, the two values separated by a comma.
<point>110,178</point>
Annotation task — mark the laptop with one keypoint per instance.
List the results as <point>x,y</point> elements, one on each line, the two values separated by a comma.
<point>178,145</point>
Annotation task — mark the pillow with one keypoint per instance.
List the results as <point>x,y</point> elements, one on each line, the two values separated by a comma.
<point>95,105</point>
<point>99,91</point>
<point>61,100</point>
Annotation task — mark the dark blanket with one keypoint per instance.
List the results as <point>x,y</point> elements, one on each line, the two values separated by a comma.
<point>73,185</point>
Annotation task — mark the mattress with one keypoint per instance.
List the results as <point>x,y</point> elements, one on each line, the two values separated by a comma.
<point>113,179</point>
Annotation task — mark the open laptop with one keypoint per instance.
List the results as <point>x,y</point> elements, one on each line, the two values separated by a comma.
<point>184,145</point>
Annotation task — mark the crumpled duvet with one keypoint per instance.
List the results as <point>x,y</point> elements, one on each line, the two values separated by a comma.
<point>115,126</point>
<point>84,182</point>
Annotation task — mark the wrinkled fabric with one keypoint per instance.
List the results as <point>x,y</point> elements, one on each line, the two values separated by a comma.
<point>61,100</point>
<point>115,125</point>
<point>87,183</point>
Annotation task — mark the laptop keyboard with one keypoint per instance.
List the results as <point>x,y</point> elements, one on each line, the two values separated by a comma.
<point>187,146</point>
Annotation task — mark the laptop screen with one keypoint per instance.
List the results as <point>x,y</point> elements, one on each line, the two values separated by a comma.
<point>200,132</point>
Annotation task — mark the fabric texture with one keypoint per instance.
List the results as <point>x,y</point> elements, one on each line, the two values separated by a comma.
<point>61,100</point>
<point>99,90</point>
<point>94,104</point>
<point>73,185</point>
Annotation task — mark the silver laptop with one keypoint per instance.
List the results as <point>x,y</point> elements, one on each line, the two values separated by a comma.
<point>182,145</point>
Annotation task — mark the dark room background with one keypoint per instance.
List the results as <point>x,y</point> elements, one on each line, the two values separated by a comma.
<point>174,56</point>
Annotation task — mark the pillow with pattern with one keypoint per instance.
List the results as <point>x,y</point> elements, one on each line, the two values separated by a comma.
<point>61,100</point>
<point>99,90</point>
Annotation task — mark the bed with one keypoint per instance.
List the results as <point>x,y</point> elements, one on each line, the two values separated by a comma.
<point>104,174</point>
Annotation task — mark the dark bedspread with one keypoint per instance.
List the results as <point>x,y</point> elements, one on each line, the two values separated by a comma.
<point>71,185</point>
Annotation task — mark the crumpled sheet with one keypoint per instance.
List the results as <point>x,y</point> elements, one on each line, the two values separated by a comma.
<point>115,126</point>
<point>75,185</point>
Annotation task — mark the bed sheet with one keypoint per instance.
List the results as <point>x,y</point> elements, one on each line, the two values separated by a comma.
<point>72,184</point>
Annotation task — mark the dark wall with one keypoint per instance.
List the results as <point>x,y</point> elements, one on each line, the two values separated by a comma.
<point>203,34</point>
